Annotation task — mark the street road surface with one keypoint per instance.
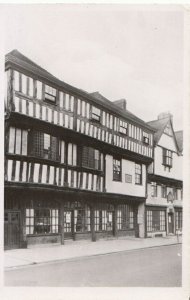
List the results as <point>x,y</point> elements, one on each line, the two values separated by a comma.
<point>151,267</point>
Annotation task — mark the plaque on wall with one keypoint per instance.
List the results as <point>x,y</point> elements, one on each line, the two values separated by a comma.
<point>128,178</point>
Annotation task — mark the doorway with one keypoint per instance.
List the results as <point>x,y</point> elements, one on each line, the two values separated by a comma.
<point>68,224</point>
<point>170,223</point>
<point>12,229</point>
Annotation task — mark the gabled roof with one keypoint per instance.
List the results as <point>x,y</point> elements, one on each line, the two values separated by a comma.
<point>19,60</point>
<point>179,138</point>
<point>159,126</point>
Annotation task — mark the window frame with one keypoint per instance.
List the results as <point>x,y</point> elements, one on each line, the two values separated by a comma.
<point>117,174</point>
<point>138,175</point>
<point>94,115</point>
<point>154,192</point>
<point>91,162</point>
<point>48,94</point>
<point>167,157</point>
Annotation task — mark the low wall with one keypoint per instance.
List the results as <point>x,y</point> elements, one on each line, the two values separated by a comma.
<point>43,239</point>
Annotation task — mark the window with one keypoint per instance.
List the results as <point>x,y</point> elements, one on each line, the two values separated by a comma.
<point>116,170</point>
<point>138,174</point>
<point>156,220</point>
<point>44,145</point>
<point>91,158</point>
<point>122,127</point>
<point>103,220</point>
<point>164,191</point>
<point>153,189</point>
<point>18,141</point>
<point>167,157</point>
<point>145,138</point>
<point>50,93</point>
<point>179,220</point>
<point>96,114</point>
<point>82,219</point>
<point>125,217</point>
<point>42,221</point>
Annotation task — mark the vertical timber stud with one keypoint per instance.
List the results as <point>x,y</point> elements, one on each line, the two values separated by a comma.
<point>92,222</point>
<point>62,222</point>
<point>115,231</point>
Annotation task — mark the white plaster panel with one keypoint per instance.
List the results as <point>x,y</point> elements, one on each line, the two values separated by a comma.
<point>122,187</point>
<point>159,169</point>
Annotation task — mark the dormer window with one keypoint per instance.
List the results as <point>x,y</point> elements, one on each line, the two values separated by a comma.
<point>96,114</point>
<point>145,138</point>
<point>50,93</point>
<point>122,127</point>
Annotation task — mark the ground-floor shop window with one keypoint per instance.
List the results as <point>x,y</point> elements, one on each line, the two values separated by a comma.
<point>103,218</point>
<point>125,217</point>
<point>82,219</point>
<point>178,220</point>
<point>156,220</point>
<point>42,221</point>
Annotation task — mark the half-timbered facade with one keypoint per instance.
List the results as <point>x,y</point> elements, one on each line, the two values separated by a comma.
<point>75,163</point>
<point>164,192</point>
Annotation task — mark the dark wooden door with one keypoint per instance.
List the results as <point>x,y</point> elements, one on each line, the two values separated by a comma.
<point>170,223</point>
<point>11,229</point>
<point>68,224</point>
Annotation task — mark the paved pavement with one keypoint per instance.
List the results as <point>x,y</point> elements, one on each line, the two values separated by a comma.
<point>74,249</point>
<point>149,267</point>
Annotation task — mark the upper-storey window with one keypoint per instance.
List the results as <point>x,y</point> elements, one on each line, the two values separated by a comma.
<point>138,174</point>
<point>167,158</point>
<point>18,141</point>
<point>122,127</point>
<point>50,93</point>
<point>92,158</point>
<point>44,145</point>
<point>153,189</point>
<point>168,129</point>
<point>96,114</point>
<point>116,169</point>
<point>146,138</point>
<point>164,191</point>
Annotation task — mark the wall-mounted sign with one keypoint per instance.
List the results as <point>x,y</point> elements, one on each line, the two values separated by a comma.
<point>128,178</point>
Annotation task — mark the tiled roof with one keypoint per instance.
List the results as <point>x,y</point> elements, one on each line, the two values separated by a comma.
<point>18,59</point>
<point>179,138</point>
<point>159,126</point>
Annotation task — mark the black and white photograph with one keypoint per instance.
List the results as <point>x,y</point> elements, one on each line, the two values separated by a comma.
<point>94,189</point>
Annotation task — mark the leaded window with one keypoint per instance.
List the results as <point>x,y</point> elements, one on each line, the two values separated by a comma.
<point>91,158</point>
<point>44,145</point>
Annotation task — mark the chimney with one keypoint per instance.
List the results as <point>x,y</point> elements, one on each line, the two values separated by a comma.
<point>122,103</point>
<point>165,115</point>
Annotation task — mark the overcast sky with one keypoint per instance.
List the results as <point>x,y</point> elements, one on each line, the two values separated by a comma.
<point>136,54</point>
